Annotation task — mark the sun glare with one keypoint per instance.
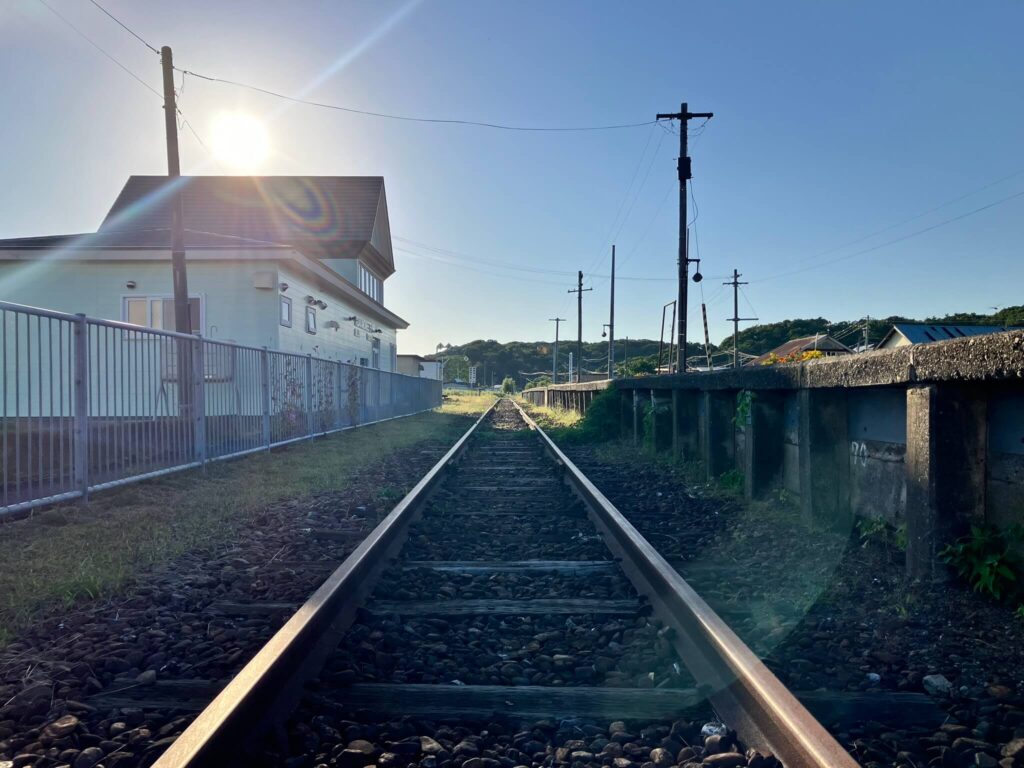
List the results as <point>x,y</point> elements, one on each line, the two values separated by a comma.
<point>240,141</point>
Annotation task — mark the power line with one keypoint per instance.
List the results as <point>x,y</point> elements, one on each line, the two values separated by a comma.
<point>100,48</point>
<point>125,27</point>
<point>415,119</point>
<point>894,240</point>
<point>890,227</point>
<point>370,113</point>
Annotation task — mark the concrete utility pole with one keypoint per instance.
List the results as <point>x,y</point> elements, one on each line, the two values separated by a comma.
<point>182,313</point>
<point>611,324</point>
<point>735,283</point>
<point>579,290</point>
<point>554,361</point>
<point>683,116</point>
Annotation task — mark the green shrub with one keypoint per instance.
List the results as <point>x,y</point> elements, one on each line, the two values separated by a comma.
<point>598,425</point>
<point>508,385</point>
<point>878,530</point>
<point>731,480</point>
<point>985,559</point>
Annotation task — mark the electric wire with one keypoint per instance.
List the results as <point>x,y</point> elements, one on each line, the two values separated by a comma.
<point>371,113</point>
<point>100,48</point>
<point>125,27</point>
<point>414,118</point>
<point>894,240</point>
<point>625,196</point>
<point>891,227</point>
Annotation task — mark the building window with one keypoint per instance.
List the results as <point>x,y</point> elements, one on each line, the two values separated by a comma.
<point>371,285</point>
<point>310,320</point>
<point>286,312</point>
<point>363,362</point>
<point>375,353</point>
<point>158,312</point>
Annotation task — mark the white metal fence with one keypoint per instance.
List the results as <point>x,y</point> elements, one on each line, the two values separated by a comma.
<point>88,404</point>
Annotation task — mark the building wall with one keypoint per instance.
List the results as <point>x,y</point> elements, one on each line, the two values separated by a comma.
<point>233,309</point>
<point>347,343</point>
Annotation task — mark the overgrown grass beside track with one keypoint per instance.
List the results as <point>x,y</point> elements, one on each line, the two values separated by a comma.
<point>93,550</point>
<point>467,402</point>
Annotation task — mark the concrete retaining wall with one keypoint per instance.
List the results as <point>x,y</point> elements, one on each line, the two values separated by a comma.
<point>931,436</point>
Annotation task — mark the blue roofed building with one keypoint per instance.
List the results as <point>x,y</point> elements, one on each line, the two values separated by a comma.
<point>907,334</point>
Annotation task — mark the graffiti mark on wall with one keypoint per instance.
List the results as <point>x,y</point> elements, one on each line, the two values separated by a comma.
<point>859,453</point>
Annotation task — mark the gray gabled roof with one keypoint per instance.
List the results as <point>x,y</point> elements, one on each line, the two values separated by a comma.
<point>822,342</point>
<point>324,216</point>
<point>925,333</point>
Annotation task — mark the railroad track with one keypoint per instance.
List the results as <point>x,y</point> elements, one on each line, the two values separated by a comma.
<point>504,612</point>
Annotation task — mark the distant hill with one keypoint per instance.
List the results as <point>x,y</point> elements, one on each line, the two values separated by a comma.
<point>527,360</point>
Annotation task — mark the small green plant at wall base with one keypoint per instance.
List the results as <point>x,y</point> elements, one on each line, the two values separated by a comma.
<point>986,560</point>
<point>1019,613</point>
<point>876,529</point>
<point>732,480</point>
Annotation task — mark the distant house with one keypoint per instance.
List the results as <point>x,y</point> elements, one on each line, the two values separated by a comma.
<point>820,342</point>
<point>906,334</point>
<point>416,365</point>
<point>293,263</point>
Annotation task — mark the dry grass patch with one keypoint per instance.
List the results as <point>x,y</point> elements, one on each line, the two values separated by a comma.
<point>93,550</point>
<point>467,402</point>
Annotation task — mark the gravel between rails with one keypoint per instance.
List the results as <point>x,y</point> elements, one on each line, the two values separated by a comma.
<point>576,651</point>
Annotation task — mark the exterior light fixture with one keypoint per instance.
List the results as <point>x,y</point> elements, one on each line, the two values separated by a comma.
<point>349,319</point>
<point>130,284</point>
<point>283,287</point>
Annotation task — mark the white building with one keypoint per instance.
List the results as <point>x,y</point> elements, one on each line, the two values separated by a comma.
<point>417,365</point>
<point>292,263</point>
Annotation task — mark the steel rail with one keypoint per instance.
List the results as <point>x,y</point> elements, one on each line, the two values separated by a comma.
<point>270,685</point>
<point>743,691</point>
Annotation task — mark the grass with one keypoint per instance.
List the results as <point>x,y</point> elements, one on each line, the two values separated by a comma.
<point>550,418</point>
<point>70,553</point>
<point>467,402</point>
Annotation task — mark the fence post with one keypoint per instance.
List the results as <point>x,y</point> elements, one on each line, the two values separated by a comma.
<point>309,396</point>
<point>337,393</point>
<point>199,402</point>
<point>265,395</point>
<point>81,346</point>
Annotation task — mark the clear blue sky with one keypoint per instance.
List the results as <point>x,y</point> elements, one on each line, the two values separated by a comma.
<point>832,121</point>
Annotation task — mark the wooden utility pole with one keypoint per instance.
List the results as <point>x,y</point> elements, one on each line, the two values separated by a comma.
<point>735,283</point>
<point>707,339</point>
<point>579,290</point>
<point>683,116</point>
<point>611,324</point>
<point>182,314</point>
<point>554,362</point>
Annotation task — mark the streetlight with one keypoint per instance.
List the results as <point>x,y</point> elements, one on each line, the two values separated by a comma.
<point>611,352</point>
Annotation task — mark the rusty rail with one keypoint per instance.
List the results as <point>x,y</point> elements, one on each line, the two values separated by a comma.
<point>744,692</point>
<point>270,685</point>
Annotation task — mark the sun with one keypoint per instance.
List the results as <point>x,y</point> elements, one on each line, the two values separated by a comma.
<point>240,141</point>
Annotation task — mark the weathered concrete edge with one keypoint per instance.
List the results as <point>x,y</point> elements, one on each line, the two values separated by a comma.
<point>998,356</point>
